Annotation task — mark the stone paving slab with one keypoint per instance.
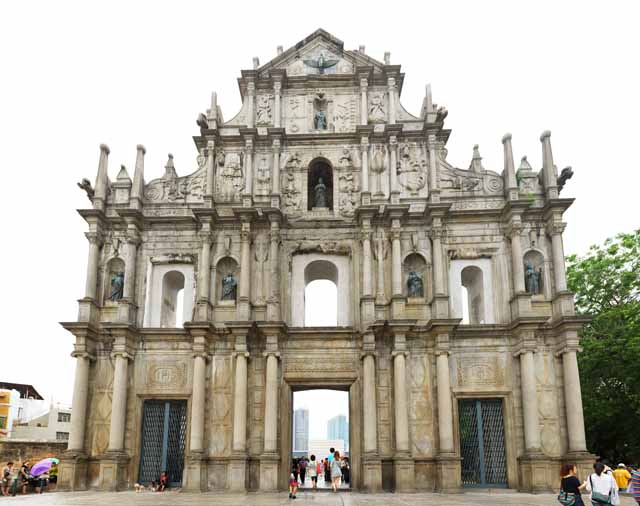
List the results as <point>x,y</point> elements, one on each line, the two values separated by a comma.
<point>309,498</point>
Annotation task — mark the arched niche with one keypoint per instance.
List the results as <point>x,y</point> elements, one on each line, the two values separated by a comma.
<point>114,280</point>
<point>414,271</point>
<point>535,275</point>
<point>307,268</point>
<point>319,175</point>
<point>472,280</point>
<point>172,310</point>
<point>227,270</point>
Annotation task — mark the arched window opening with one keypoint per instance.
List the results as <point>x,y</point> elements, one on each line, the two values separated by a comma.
<point>321,294</point>
<point>472,280</point>
<point>465,306</point>
<point>320,185</point>
<point>172,312</point>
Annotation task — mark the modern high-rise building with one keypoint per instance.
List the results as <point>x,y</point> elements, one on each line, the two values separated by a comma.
<point>301,430</point>
<point>338,428</point>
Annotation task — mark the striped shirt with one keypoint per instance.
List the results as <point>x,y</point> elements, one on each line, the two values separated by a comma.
<point>635,481</point>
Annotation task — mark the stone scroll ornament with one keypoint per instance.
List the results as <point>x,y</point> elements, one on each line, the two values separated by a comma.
<point>171,188</point>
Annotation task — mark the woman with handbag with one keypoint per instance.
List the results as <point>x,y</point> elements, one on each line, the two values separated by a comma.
<point>602,487</point>
<point>570,486</point>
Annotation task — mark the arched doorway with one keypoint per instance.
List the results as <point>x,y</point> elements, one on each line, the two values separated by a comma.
<point>320,185</point>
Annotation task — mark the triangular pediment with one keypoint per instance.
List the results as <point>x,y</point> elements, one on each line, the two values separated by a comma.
<point>319,53</point>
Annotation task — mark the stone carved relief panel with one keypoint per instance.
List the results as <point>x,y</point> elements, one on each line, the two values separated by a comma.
<point>455,180</point>
<point>421,409</point>
<point>171,188</point>
<point>321,366</point>
<point>164,375</point>
<point>219,414</point>
<point>230,175</point>
<point>344,113</point>
<point>412,168</point>
<point>480,371</point>
<point>384,401</point>
<point>97,436</point>
<point>264,110</point>
<point>295,113</point>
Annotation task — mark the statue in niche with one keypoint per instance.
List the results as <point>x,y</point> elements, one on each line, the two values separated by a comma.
<point>231,180</point>
<point>532,279</point>
<point>263,178</point>
<point>415,287</point>
<point>117,286</point>
<point>229,287</point>
<point>376,108</point>
<point>263,110</point>
<point>320,114</point>
<point>320,194</point>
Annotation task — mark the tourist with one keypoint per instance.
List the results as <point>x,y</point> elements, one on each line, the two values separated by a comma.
<point>570,484</point>
<point>53,474</point>
<point>313,470</point>
<point>293,482</point>
<point>7,478</point>
<point>327,471</point>
<point>330,456</point>
<point>635,485</point>
<point>295,469</point>
<point>336,471</point>
<point>602,487</point>
<point>163,484</point>
<point>22,480</point>
<point>622,477</point>
<point>302,465</point>
<point>346,470</point>
<point>41,482</point>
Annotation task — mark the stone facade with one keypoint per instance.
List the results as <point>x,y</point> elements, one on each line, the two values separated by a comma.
<point>324,175</point>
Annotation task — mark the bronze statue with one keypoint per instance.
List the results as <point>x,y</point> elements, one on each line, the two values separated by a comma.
<point>415,287</point>
<point>532,279</point>
<point>229,287</point>
<point>320,63</point>
<point>117,286</point>
<point>320,194</point>
<point>320,120</point>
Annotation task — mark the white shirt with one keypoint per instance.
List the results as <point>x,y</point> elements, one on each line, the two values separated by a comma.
<point>603,484</point>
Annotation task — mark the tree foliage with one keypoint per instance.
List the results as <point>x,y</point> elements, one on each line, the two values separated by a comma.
<point>606,282</point>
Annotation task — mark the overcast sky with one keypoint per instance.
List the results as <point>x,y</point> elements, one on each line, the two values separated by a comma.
<point>75,74</point>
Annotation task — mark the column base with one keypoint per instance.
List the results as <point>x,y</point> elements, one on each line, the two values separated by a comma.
<point>583,461</point>
<point>113,472</point>
<point>196,473</point>
<point>204,311</point>
<point>521,305</point>
<point>398,303</point>
<point>440,306</point>
<point>269,467</point>
<point>73,472</point>
<point>563,305</point>
<point>449,474</point>
<point>88,310</point>
<point>538,473</point>
<point>372,474</point>
<point>127,312</point>
<point>237,480</point>
<point>367,309</point>
<point>405,473</point>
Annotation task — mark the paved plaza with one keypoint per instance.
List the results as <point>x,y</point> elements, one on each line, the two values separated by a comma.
<point>315,498</point>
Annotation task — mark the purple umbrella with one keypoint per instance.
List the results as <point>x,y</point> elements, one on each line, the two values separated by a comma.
<point>41,467</point>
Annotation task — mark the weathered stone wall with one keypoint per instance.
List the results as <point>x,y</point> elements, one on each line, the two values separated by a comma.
<point>20,451</point>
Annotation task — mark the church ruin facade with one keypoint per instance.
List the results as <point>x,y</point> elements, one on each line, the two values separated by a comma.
<point>456,337</point>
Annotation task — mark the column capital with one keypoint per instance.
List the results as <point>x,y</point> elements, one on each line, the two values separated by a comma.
<point>83,354</point>
<point>555,228</point>
<point>202,354</point>
<point>268,353</point>
<point>95,237</point>
<point>124,354</point>
<point>275,145</point>
<point>514,228</point>
<point>391,83</point>
<point>237,354</point>
<point>393,142</point>
<point>365,235</point>
<point>396,353</point>
<point>205,237</point>
<point>251,88</point>
<point>526,347</point>
<point>277,86</point>
<point>438,232</point>
<point>442,351</point>
<point>364,84</point>
<point>365,353</point>
<point>567,348</point>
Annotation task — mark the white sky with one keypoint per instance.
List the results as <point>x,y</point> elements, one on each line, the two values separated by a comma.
<point>322,405</point>
<point>75,74</point>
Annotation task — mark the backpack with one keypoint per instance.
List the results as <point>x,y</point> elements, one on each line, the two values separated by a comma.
<point>567,498</point>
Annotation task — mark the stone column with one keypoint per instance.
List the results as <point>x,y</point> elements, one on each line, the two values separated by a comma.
<point>211,157</point>
<point>204,267</point>
<point>573,402</point>
<point>79,403</point>
<point>445,410</point>
<point>364,153</point>
<point>275,173</point>
<point>366,264</point>
<point>396,259</point>
<point>273,301</point>
<point>271,404</point>
<point>130,268</point>
<point>559,272</point>
<point>240,405</point>
<point>277,87</point>
<point>391,86</point>
<point>516,259</point>
<point>245,273</point>
<point>438,261</point>
<point>119,402</point>
<point>198,401</point>
<point>370,415</point>
<point>248,168</point>
<point>393,164</point>
<point>364,106</point>
<point>530,402</point>
<point>251,91</point>
<point>95,242</point>
<point>401,406</point>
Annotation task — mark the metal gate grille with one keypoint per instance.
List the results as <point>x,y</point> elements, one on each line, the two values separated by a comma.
<point>164,429</point>
<point>482,446</point>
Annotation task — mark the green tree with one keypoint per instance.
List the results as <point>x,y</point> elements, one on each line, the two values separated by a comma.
<point>606,282</point>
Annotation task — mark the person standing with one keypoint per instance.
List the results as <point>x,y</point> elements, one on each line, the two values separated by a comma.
<point>327,471</point>
<point>7,478</point>
<point>330,456</point>
<point>312,469</point>
<point>570,483</point>
<point>22,480</point>
<point>622,477</point>
<point>303,470</point>
<point>602,488</point>
<point>336,471</point>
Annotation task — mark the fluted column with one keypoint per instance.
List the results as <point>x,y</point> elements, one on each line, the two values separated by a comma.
<point>251,91</point>
<point>79,402</point>
<point>573,402</point>
<point>391,86</point>
<point>393,164</point>
<point>560,275</point>
<point>366,264</point>
<point>364,106</point>
<point>401,406</point>
<point>516,258</point>
<point>240,404</point>
<point>277,87</point>
<point>396,259</point>
<point>273,301</point>
<point>119,402</point>
<point>529,402</point>
<point>275,173</point>
<point>370,415</point>
<point>198,401</point>
<point>271,404</point>
<point>445,409</point>
<point>364,154</point>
